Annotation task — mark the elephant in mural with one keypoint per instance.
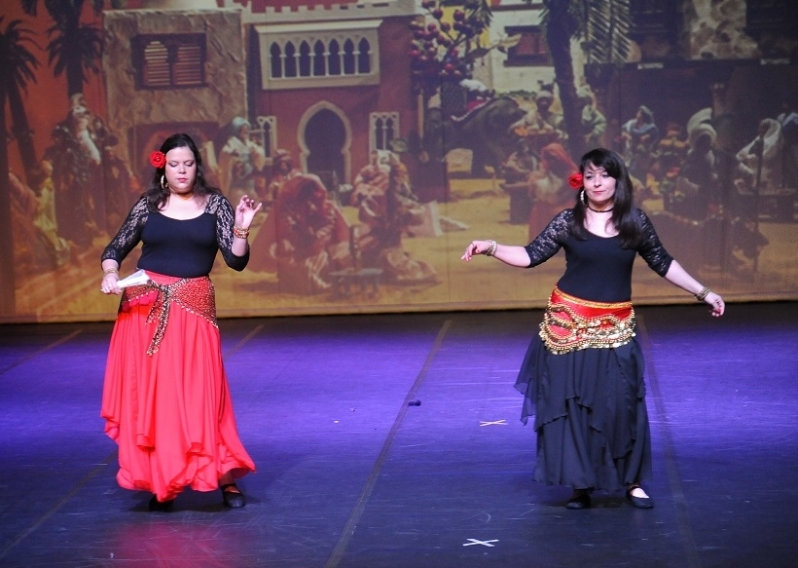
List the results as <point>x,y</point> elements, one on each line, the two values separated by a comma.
<point>485,130</point>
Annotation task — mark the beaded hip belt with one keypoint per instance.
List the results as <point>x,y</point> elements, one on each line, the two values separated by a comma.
<point>571,324</point>
<point>195,295</point>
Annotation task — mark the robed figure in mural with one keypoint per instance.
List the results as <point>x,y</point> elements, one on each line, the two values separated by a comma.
<point>387,210</point>
<point>304,238</point>
<point>241,161</point>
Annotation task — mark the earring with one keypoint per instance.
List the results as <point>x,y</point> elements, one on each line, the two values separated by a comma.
<point>583,197</point>
<point>164,185</point>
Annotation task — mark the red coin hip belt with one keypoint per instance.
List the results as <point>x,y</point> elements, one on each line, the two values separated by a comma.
<point>571,324</point>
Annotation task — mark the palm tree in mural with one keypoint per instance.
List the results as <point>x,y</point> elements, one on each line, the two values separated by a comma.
<point>603,25</point>
<point>16,69</point>
<point>75,47</point>
<point>17,66</point>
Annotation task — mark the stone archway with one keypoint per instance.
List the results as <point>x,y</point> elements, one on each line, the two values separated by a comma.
<point>326,135</point>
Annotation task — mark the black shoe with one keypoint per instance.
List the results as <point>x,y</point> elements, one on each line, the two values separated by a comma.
<point>233,499</point>
<point>579,500</point>
<point>162,506</point>
<point>639,502</point>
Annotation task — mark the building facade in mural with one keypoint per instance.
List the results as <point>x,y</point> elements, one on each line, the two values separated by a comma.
<point>699,95</point>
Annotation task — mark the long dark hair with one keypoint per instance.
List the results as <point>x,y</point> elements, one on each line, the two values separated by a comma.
<point>622,210</point>
<point>156,194</point>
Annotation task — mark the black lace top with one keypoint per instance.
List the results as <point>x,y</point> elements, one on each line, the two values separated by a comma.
<point>184,248</point>
<point>597,268</point>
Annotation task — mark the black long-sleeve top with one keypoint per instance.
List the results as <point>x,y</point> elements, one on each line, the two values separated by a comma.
<point>183,248</point>
<point>598,268</point>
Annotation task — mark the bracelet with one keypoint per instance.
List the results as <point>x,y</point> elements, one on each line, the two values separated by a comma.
<point>492,250</point>
<point>702,294</point>
<point>110,271</point>
<point>240,232</point>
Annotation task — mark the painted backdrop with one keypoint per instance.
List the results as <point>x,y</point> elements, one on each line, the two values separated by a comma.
<point>383,136</point>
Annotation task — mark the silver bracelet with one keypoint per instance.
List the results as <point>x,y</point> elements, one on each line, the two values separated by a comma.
<point>492,250</point>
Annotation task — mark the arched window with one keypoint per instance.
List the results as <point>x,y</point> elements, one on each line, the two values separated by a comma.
<point>308,55</point>
<point>319,59</point>
<point>379,126</point>
<point>389,131</point>
<point>349,57</point>
<point>290,60</point>
<point>384,130</point>
<point>277,61</point>
<point>304,59</point>
<point>334,59</point>
<point>364,57</point>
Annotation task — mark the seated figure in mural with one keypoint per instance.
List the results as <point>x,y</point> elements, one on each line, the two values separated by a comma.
<point>36,250</point>
<point>304,237</point>
<point>387,210</point>
<point>45,219</point>
<point>639,137</point>
<point>703,192</point>
<point>80,147</point>
<point>549,191</point>
<point>519,164</point>
<point>669,155</point>
<point>593,121</point>
<point>545,125</point>
<point>697,183</point>
<point>762,158</point>
<point>282,170</point>
<point>241,161</point>
<point>373,178</point>
<point>788,120</point>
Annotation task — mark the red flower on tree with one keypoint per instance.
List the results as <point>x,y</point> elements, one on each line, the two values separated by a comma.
<point>157,159</point>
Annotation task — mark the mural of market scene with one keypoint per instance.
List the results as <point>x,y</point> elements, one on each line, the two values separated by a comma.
<point>382,136</point>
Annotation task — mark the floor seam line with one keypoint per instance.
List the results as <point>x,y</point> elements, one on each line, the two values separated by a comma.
<point>63,501</point>
<point>671,467</point>
<point>357,511</point>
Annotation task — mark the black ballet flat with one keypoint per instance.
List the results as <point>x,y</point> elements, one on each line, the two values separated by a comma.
<point>232,499</point>
<point>161,506</point>
<point>579,500</point>
<point>639,502</point>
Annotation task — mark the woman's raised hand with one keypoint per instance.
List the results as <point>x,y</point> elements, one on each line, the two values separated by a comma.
<point>245,211</point>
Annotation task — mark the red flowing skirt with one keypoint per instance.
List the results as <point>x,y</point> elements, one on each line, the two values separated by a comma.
<point>169,412</point>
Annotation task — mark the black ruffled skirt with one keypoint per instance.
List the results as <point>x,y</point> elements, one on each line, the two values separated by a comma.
<point>589,414</point>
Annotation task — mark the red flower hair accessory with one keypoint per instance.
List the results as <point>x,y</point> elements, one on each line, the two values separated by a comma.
<point>157,159</point>
<point>576,181</point>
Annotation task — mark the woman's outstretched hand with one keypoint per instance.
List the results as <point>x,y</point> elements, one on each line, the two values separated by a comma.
<point>475,248</point>
<point>717,304</point>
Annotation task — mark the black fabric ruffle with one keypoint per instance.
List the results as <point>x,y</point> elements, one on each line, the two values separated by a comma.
<point>589,414</point>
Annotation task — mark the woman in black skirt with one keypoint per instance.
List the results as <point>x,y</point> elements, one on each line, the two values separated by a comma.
<point>582,377</point>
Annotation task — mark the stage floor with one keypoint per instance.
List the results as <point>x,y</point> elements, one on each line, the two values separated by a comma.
<point>352,475</point>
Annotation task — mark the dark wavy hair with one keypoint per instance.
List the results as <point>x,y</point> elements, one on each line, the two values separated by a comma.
<point>623,216</point>
<point>156,194</point>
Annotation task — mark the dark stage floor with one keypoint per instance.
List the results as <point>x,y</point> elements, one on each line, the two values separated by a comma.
<point>350,475</point>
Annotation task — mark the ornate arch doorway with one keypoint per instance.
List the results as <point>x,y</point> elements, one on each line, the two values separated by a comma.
<point>326,137</point>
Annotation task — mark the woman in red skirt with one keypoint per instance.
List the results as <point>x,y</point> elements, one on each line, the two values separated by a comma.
<point>166,400</point>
